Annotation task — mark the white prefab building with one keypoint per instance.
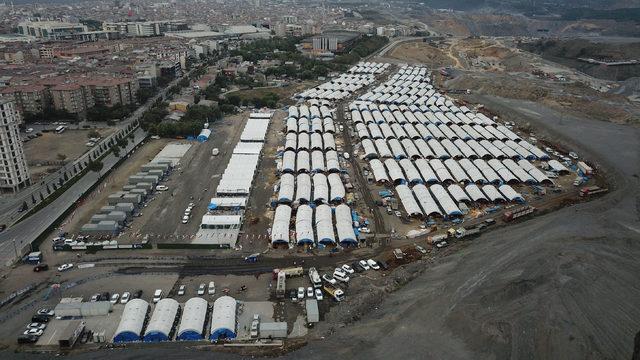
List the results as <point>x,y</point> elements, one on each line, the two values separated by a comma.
<point>303,162</point>
<point>303,188</point>
<point>320,189</point>
<point>289,162</point>
<point>444,200</point>
<point>474,174</point>
<point>337,188</point>
<point>287,187</point>
<point>324,225</point>
<point>475,193</point>
<point>408,201</point>
<point>162,321</point>
<point>510,193</point>
<point>304,225</point>
<point>132,321</point>
<point>280,227</point>
<point>410,171</point>
<point>395,172</point>
<point>238,176</point>
<point>378,170</point>
<point>383,149</point>
<point>428,205</point>
<point>344,226</point>
<point>223,319</point>
<point>458,194</point>
<point>193,319</point>
<point>425,170</point>
<point>332,163</point>
<point>255,130</point>
<point>492,193</point>
<point>368,149</point>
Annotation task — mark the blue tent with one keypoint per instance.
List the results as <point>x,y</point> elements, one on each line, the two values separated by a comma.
<point>190,335</point>
<point>156,336</point>
<point>222,333</point>
<point>126,336</point>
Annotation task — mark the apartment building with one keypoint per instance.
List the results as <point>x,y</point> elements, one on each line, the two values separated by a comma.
<point>73,98</point>
<point>112,91</point>
<point>14,174</point>
<point>28,98</point>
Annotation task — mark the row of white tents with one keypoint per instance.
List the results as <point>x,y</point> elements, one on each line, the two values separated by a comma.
<point>366,111</point>
<point>315,141</point>
<point>368,68</point>
<point>304,162</point>
<point>310,229</point>
<point>315,125</point>
<point>436,200</point>
<point>445,149</point>
<point>338,88</point>
<point>309,111</point>
<point>478,171</point>
<point>316,188</point>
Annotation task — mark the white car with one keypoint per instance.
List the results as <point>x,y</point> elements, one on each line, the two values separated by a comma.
<point>374,265</point>
<point>185,219</point>
<point>47,312</point>
<point>126,296</point>
<point>573,155</point>
<point>157,295</point>
<point>319,294</point>
<point>364,265</point>
<point>162,188</point>
<point>346,155</point>
<point>187,212</point>
<point>114,298</point>
<point>212,288</point>
<point>329,279</point>
<point>181,290</point>
<point>29,130</point>
<point>37,326</point>
<point>310,292</point>
<point>201,289</point>
<point>300,292</point>
<point>365,230</point>
<point>65,267</point>
<point>36,332</point>
<point>341,276</point>
<point>348,269</point>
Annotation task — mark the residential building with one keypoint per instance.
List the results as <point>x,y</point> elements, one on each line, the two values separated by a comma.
<point>28,98</point>
<point>72,97</point>
<point>14,174</point>
<point>112,91</point>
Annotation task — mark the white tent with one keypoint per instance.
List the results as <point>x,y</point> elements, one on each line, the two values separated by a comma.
<point>303,188</point>
<point>457,193</point>
<point>510,193</point>
<point>280,227</point>
<point>286,192</point>
<point>408,201</point>
<point>304,225</point>
<point>428,205</point>
<point>378,170</point>
<point>324,225</point>
<point>344,226</point>
<point>444,200</point>
<point>336,187</point>
<point>394,171</point>
<point>320,188</point>
<point>475,193</point>
<point>410,171</point>
<point>492,193</point>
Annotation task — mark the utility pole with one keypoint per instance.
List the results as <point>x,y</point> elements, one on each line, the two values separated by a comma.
<point>15,248</point>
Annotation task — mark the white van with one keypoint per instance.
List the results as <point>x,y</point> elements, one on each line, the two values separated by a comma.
<point>212,288</point>
<point>157,295</point>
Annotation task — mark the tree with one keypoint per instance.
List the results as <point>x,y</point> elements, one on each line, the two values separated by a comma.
<point>93,134</point>
<point>95,165</point>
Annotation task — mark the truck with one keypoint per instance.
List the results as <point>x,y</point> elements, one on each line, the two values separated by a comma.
<point>335,293</point>
<point>517,213</point>
<point>288,272</point>
<point>437,238</point>
<point>586,169</point>
<point>462,232</point>
<point>398,253</point>
<point>314,277</point>
<point>592,190</point>
<point>281,286</point>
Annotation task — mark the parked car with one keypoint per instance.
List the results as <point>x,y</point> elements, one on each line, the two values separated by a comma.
<point>105,296</point>
<point>319,296</point>
<point>212,288</point>
<point>95,297</point>
<point>157,295</point>
<point>126,296</point>
<point>181,290</point>
<point>37,326</point>
<point>342,276</point>
<point>137,294</point>
<point>36,332</point>
<point>329,279</point>
<point>310,292</point>
<point>300,292</point>
<point>573,155</point>
<point>201,289</point>
<point>364,265</point>
<point>421,250</point>
<point>348,269</point>
<point>114,298</point>
<point>383,265</point>
<point>41,267</point>
<point>185,219</point>
<point>374,265</point>
<point>40,318</point>
<point>27,339</point>
<point>46,312</point>
<point>162,188</point>
<point>65,267</point>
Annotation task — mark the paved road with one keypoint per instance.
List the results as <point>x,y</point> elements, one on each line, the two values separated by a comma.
<point>19,236</point>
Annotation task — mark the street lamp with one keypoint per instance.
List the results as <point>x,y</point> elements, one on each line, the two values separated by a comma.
<point>15,248</point>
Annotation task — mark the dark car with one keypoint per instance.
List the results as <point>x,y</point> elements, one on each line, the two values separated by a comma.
<point>137,294</point>
<point>490,222</point>
<point>356,267</point>
<point>41,267</point>
<point>27,339</point>
<point>40,318</point>
<point>105,296</point>
<point>383,265</point>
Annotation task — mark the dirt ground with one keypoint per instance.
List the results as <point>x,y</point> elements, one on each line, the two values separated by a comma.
<point>43,150</point>
<point>284,92</point>
<point>421,52</point>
